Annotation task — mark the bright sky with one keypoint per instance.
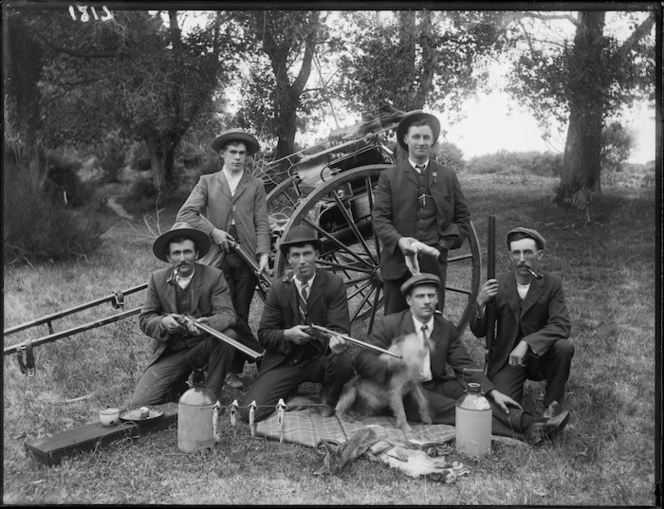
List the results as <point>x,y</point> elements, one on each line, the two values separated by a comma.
<point>489,127</point>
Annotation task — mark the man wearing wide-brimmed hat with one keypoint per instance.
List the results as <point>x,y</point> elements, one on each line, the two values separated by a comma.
<point>534,325</point>
<point>230,206</point>
<point>184,288</point>
<point>292,355</point>
<point>419,208</point>
<point>445,349</point>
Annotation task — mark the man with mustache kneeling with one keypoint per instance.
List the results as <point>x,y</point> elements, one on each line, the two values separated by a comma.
<point>533,324</point>
<point>443,390</point>
<point>184,288</point>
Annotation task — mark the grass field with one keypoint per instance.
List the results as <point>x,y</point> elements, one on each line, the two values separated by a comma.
<point>606,456</point>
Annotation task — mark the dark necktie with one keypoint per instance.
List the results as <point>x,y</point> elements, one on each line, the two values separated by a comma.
<point>425,328</point>
<point>302,300</point>
<point>420,167</point>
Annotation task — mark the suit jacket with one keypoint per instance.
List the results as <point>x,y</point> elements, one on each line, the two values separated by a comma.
<point>394,211</point>
<point>212,196</point>
<point>542,316</point>
<point>210,297</point>
<point>326,306</point>
<point>448,350</point>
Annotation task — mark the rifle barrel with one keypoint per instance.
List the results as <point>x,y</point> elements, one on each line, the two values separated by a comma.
<point>220,335</point>
<point>491,306</point>
<point>353,340</point>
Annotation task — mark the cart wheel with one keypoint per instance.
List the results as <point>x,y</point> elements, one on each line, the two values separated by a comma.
<point>340,211</point>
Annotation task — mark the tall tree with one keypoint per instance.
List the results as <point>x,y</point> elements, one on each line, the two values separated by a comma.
<point>413,59</point>
<point>135,72</point>
<point>289,40</point>
<point>584,84</point>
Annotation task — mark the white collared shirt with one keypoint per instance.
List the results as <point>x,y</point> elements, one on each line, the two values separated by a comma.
<point>298,284</point>
<point>233,179</point>
<point>425,374</point>
<point>413,164</point>
<point>183,282</point>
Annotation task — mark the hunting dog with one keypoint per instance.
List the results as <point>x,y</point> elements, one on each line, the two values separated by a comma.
<point>403,379</point>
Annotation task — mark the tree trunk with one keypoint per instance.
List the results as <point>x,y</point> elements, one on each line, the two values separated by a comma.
<point>580,178</point>
<point>162,161</point>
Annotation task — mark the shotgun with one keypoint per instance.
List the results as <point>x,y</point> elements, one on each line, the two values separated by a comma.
<point>184,320</point>
<point>264,282</point>
<point>491,305</point>
<point>315,330</point>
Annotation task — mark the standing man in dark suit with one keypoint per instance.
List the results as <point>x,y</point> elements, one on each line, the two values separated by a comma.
<point>292,355</point>
<point>533,323</point>
<point>184,288</point>
<point>230,206</point>
<point>417,200</point>
<point>445,348</point>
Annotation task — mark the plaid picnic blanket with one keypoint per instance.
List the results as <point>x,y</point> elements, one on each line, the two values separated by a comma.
<point>305,426</point>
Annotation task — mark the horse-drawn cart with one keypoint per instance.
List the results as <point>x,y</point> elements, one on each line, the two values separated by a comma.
<point>329,187</point>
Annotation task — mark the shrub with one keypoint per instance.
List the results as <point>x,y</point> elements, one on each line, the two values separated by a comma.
<point>139,158</point>
<point>112,155</point>
<point>38,230</point>
<point>536,163</point>
<point>63,183</point>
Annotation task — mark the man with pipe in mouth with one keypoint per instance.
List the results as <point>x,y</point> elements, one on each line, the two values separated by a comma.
<point>191,289</point>
<point>230,206</point>
<point>533,324</point>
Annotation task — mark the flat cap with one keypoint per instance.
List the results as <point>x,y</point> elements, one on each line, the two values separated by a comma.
<point>420,279</point>
<point>528,232</point>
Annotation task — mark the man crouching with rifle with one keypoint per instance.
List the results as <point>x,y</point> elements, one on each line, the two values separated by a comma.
<point>186,288</point>
<point>292,354</point>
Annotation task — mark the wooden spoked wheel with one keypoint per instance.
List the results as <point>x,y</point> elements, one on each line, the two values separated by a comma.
<point>340,211</point>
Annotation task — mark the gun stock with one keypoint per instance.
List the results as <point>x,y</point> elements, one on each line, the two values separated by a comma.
<point>491,306</point>
<point>314,329</point>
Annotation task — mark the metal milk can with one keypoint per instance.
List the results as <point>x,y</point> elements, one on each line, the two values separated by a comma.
<point>198,410</point>
<point>473,423</point>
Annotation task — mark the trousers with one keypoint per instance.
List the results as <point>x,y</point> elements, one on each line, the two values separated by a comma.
<point>241,282</point>
<point>442,398</point>
<point>553,366</point>
<point>168,371</point>
<point>333,371</point>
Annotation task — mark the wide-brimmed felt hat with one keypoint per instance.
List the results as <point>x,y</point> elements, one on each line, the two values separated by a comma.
<point>300,235</point>
<point>528,232</point>
<point>420,279</point>
<point>411,118</point>
<point>236,135</point>
<point>181,229</point>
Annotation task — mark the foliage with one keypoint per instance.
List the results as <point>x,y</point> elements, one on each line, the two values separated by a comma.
<point>449,155</point>
<point>285,42</point>
<point>435,53</point>
<point>111,153</point>
<point>520,163</point>
<point>38,230</point>
<point>547,75</point>
<point>617,142</point>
